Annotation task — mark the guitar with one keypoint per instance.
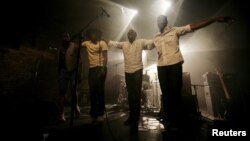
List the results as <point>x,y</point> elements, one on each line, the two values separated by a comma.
<point>228,101</point>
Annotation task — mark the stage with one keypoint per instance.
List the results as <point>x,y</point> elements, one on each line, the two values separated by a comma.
<point>113,129</point>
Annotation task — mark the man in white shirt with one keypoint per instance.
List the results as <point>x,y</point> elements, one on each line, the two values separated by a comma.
<point>132,51</point>
<point>170,62</point>
<point>97,57</point>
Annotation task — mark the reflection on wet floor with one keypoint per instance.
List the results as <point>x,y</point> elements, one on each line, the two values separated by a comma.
<point>149,123</point>
<point>149,129</point>
<point>148,120</point>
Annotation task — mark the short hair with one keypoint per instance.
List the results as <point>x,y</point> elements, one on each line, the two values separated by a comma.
<point>132,31</point>
<point>95,31</point>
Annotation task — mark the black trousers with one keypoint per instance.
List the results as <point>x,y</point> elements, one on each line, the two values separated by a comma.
<point>96,81</point>
<point>66,81</point>
<point>170,78</point>
<point>134,83</point>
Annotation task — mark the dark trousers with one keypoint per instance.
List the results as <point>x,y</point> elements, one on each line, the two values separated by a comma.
<point>134,83</point>
<point>66,81</point>
<point>96,81</point>
<point>170,78</point>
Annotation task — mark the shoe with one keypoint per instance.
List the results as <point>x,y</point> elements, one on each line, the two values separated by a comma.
<point>62,119</point>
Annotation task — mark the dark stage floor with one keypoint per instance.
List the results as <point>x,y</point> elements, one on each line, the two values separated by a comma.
<point>36,126</point>
<point>113,129</point>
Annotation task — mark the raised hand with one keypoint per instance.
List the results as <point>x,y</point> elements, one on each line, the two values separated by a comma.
<point>226,19</point>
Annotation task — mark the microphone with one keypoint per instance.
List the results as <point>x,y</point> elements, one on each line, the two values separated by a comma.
<point>105,12</point>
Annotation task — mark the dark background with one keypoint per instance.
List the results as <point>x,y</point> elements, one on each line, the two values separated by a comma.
<point>38,25</point>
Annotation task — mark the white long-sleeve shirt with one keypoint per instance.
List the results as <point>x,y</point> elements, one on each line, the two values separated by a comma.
<point>167,45</point>
<point>133,52</point>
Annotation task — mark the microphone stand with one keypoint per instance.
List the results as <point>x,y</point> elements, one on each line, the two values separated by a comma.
<point>74,94</point>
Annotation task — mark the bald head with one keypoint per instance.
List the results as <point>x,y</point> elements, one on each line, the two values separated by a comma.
<point>131,35</point>
<point>162,21</point>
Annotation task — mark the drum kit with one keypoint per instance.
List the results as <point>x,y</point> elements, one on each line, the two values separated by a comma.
<point>150,98</point>
<point>123,94</point>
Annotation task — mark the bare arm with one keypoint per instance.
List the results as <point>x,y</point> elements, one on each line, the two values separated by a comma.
<point>205,23</point>
<point>105,57</point>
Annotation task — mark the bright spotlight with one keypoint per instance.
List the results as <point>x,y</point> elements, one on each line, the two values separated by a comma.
<point>134,12</point>
<point>128,15</point>
<point>129,12</point>
<point>165,5</point>
<point>144,54</point>
<point>161,6</point>
<point>123,11</point>
<point>152,68</point>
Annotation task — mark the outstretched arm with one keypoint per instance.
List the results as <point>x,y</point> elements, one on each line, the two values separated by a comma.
<point>147,44</point>
<point>205,23</point>
<point>114,44</point>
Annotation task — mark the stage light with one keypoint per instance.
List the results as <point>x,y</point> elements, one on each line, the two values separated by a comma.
<point>128,15</point>
<point>152,69</point>
<point>133,12</point>
<point>165,5</point>
<point>144,54</point>
<point>125,18</point>
<point>144,57</point>
<point>161,6</point>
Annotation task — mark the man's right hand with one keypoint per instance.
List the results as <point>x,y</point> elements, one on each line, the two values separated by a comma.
<point>225,19</point>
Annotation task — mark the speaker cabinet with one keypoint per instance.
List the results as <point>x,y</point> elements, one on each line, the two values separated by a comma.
<point>214,96</point>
